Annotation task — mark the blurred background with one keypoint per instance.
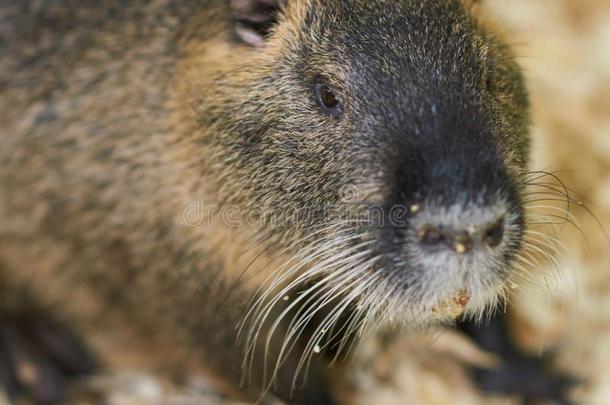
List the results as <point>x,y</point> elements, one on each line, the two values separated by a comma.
<point>564,47</point>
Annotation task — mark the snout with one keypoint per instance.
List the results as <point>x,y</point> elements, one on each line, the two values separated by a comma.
<point>464,229</point>
<point>463,248</point>
<point>462,236</point>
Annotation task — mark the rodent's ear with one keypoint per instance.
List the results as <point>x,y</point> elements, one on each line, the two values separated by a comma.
<point>254,19</point>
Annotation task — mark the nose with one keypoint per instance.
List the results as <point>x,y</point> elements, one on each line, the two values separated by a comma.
<point>462,239</point>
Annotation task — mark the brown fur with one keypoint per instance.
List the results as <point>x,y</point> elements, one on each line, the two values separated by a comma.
<point>104,149</point>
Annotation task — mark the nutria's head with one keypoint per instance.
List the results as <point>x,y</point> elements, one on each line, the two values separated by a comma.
<point>393,133</point>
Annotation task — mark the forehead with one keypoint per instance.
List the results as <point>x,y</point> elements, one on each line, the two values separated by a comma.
<point>409,38</point>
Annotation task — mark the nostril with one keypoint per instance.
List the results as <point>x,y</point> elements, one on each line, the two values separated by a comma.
<point>430,236</point>
<point>494,234</point>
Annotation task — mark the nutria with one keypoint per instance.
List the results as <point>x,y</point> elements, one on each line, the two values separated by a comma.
<point>257,183</point>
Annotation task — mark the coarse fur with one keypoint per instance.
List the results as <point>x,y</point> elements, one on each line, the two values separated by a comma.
<point>167,168</point>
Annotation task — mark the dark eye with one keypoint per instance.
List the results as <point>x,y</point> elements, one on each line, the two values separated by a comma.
<point>327,99</point>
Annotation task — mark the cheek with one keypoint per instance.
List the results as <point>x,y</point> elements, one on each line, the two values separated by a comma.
<point>515,151</point>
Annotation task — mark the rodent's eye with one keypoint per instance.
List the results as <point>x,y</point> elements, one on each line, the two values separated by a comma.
<point>327,99</point>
